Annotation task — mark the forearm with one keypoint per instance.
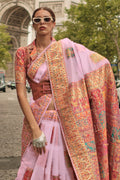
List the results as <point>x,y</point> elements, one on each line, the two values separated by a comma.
<point>39,139</point>
<point>22,98</point>
<point>24,104</point>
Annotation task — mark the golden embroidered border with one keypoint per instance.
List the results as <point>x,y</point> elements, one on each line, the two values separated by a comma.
<point>75,143</point>
<point>95,57</point>
<point>35,66</point>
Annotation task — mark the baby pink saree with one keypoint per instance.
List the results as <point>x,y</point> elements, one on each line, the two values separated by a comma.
<point>85,97</point>
<point>55,164</point>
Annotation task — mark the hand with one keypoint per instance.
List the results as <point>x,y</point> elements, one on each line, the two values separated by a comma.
<point>39,143</point>
<point>36,132</point>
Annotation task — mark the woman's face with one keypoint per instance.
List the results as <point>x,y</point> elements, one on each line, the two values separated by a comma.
<point>43,28</point>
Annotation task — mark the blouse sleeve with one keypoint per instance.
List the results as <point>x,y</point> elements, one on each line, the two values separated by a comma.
<point>20,66</point>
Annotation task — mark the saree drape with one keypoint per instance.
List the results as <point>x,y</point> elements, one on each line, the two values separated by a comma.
<point>85,97</point>
<point>55,163</point>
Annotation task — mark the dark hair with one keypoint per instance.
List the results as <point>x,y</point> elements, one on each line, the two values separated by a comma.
<point>46,9</point>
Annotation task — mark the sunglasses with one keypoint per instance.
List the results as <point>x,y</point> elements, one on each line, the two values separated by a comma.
<point>38,20</point>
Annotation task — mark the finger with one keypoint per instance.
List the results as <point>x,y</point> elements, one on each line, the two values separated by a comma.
<point>40,150</point>
<point>44,149</point>
<point>35,149</point>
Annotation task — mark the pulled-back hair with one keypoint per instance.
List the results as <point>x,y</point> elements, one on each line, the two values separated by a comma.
<point>46,9</point>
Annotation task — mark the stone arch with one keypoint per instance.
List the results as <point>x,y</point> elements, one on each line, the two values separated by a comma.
<point>17,17</point>
<point>14,42</point>
<point>9,5</point>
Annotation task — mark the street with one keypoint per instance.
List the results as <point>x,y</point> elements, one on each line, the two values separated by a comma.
<point>11,118</point>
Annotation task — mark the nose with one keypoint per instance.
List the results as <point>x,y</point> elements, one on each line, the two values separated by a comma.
<point>42,21</point>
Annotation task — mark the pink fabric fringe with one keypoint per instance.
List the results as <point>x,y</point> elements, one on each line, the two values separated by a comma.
<point>55,163</point>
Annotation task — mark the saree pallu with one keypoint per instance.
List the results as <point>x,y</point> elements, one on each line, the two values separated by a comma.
<point>86,100</point>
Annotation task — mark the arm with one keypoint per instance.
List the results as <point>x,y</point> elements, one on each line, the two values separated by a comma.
<point>22,97</point>
<point>20,77</point>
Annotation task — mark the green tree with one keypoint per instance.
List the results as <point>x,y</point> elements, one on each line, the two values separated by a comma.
<point>95,24</point>
<point>5,55</point>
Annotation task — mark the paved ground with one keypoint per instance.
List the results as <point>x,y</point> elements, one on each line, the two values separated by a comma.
<point>10,134</point>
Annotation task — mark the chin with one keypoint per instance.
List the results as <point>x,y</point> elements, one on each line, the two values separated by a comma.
<point>43,33</point>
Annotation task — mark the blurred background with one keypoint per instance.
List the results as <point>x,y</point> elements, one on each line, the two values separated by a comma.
<point>93,23</point>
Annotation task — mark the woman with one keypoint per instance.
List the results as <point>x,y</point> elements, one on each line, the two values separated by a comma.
<point>71,127</point>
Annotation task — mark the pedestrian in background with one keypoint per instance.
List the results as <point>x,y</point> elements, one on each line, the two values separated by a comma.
<point>71,127</point>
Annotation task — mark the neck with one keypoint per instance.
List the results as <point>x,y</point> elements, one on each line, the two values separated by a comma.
<point>43,41</point>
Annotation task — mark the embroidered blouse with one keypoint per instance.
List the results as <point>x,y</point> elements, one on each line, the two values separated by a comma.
<point>22,63</point>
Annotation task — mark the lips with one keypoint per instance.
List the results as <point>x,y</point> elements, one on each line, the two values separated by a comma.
<point>42,28</point>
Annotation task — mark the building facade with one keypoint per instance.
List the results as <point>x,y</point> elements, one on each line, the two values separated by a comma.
<point>16,14</point>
